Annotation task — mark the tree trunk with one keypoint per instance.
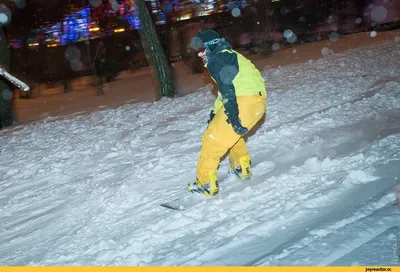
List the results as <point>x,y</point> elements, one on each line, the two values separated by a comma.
<point>6,114</point>
<point>154,51</point>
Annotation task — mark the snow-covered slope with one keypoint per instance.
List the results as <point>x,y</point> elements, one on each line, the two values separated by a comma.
<point>86,190</point>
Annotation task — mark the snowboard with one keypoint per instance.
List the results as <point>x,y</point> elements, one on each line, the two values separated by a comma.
<point>228,185</point>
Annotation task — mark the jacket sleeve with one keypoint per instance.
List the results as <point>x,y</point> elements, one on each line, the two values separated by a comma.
<point>223,68</point>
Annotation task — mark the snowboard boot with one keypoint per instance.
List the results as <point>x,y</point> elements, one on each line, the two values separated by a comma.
<point>243,170</point>
<point>208,189</point>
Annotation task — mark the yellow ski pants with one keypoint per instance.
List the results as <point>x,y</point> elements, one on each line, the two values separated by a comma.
<point>219,137</point>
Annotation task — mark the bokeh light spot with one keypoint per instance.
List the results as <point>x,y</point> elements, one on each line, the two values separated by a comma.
<point>95,3</point>
<point>76,65</point>
<point>72,53</point>
<point>236,12</point>
<point>20,3</point>
<point>325,51</point>
<point>378,13</point>
<point>7,94</point>
<point>334,36</point>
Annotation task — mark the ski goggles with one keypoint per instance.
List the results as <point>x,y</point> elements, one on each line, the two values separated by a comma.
<point>206,45</point>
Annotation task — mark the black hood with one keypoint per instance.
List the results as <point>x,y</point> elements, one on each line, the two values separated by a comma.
<point>219,47</point>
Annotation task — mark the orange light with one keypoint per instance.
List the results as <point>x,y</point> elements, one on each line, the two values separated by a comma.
<point>119,30</point>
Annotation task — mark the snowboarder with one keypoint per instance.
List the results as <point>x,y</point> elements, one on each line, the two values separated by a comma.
<point>240,105</point>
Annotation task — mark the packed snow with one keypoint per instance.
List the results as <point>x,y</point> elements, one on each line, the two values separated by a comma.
<point>86,190</point>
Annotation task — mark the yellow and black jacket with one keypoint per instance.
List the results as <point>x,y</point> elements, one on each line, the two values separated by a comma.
<point>235,76</point>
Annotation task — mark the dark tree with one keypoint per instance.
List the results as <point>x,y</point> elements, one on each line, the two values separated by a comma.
<point>155,52</point>
<point>6,113</point>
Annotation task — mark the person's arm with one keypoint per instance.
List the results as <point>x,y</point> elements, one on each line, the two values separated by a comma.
<point>223,68</point>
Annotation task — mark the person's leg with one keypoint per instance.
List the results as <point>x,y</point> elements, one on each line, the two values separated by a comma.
<point>240,160</point>
<point>237,151</point>
<point>216,141</point>
<point>251,111</point>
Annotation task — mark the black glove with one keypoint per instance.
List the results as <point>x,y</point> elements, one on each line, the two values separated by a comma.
<point>212,114</point>
<point>237,127</point>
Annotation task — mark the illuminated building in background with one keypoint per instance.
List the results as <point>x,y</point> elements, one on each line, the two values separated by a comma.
<point>75,27</point>
<point>87,23</point>
<point>14,43</point>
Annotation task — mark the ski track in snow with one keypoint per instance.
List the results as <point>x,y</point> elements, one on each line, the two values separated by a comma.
<point>86,190</point>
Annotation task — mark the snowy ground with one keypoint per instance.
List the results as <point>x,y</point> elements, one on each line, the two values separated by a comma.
<point>86,190</point>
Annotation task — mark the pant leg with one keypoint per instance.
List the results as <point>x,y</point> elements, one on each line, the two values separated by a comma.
<point>216,141</point>
<point>251,109</point>
<point>237,151</point>
<point>220,136</point>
